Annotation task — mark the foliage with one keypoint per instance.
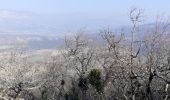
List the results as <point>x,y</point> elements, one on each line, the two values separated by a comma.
<point>83,83</point>
<point>95,80</point>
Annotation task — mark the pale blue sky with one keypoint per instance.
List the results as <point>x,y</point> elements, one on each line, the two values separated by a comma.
<point>84,13</point>
<point>75,6</point>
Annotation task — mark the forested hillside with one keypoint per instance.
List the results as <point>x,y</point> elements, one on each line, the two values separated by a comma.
<point>118,66</point>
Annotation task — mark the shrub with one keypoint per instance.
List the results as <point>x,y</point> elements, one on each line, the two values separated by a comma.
<point>95,80</point>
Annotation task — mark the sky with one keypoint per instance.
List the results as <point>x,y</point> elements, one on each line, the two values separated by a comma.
<point>71,15</point>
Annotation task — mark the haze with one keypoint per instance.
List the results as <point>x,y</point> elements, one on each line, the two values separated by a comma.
<point>65,16</point>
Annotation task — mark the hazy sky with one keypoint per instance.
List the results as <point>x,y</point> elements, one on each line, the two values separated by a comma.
<point>82,13</point>
<point>74,6</point>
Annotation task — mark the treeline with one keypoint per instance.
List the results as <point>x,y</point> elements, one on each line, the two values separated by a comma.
<point>118,68</point>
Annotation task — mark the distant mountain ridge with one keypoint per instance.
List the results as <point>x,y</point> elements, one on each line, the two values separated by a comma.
<point>51,41</point>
